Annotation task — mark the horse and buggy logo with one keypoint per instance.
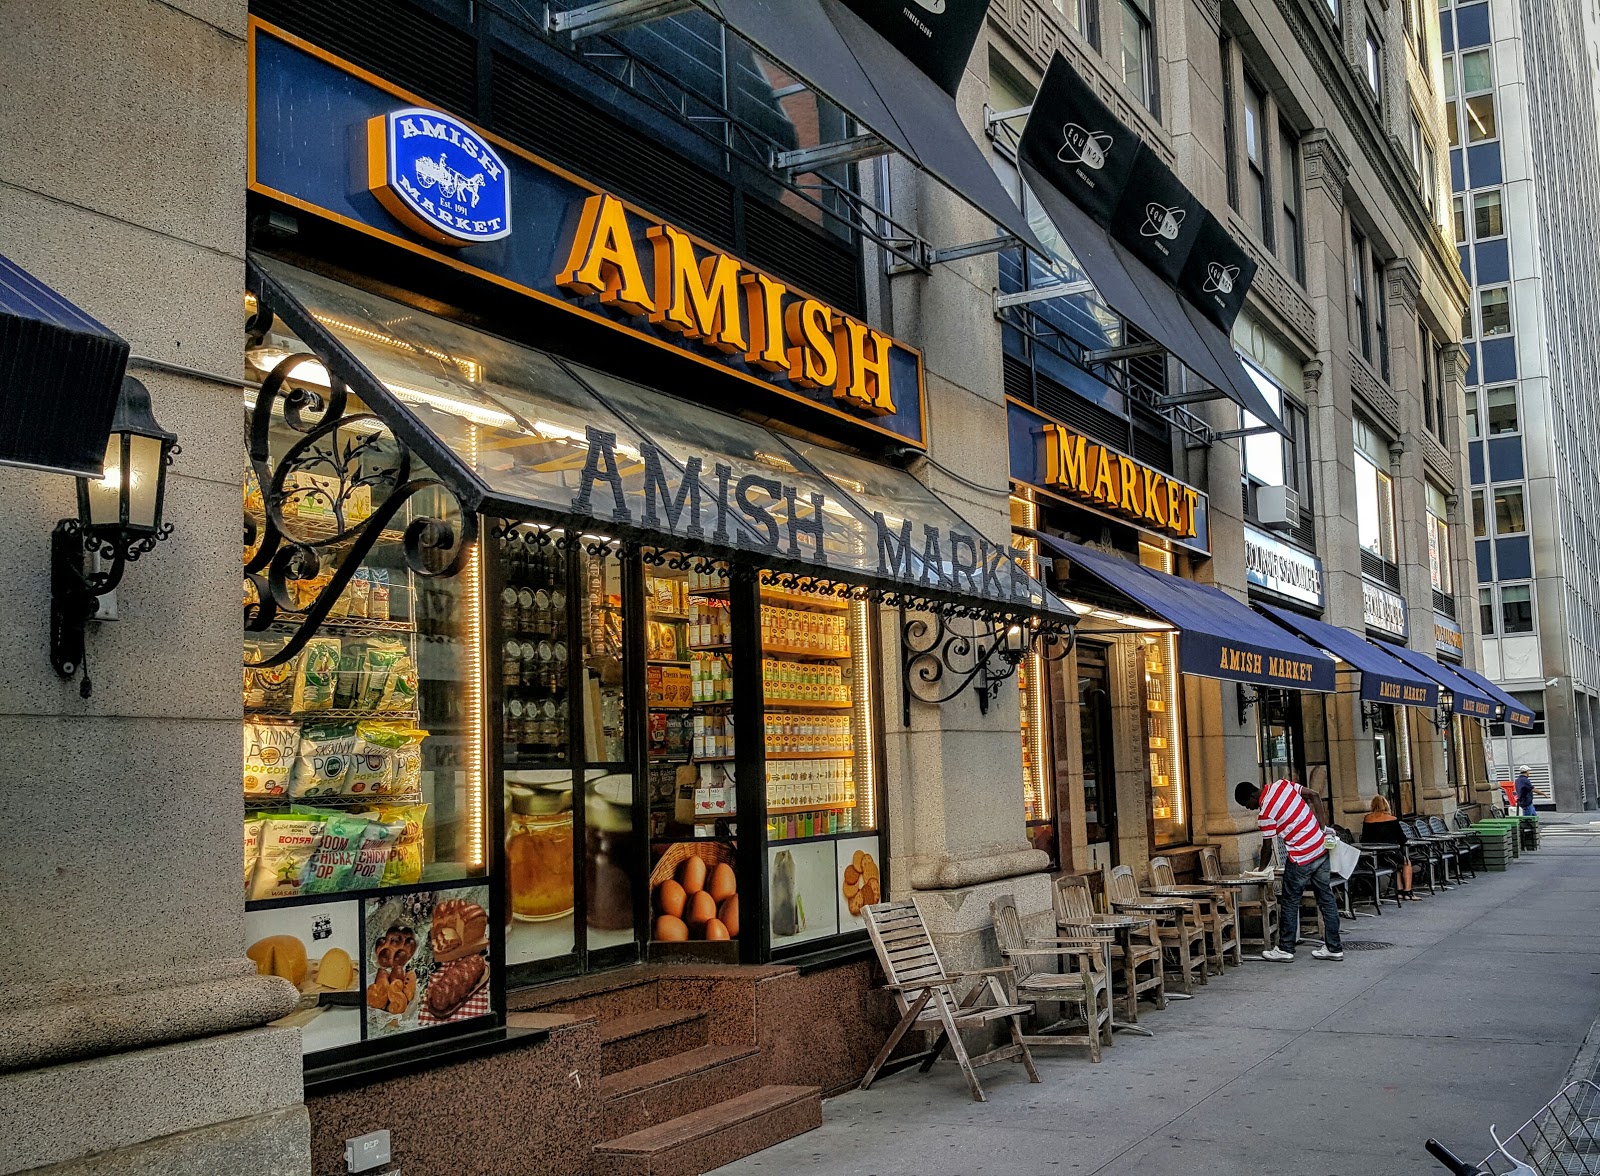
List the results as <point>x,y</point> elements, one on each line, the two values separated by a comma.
<point>438,176</point>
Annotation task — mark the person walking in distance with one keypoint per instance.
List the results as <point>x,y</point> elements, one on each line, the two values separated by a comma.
<point>1285,813</point>
<point>1525,792</point>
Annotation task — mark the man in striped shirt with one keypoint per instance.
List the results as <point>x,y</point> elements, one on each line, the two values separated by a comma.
<point>1285,813</point>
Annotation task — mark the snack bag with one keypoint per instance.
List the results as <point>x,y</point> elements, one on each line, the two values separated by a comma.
<point>341,603</point>
<point>267,688</point>
<point>333,863</point>
<point>404,863</point>
<point>315,674</point>
<point>252,850</point>
<point>359,590</point>
<point>373,858</point>
<point>407,777</point>
<point>378,594</point>
<point>287,844</point>
<point>383,657</point>
<point>323,765</point>
<point>372,766</point>
<point>347,685</point>
<point>268,757</point>
<point>400,692</point>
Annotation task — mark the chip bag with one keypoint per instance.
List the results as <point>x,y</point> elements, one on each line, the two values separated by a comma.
<point>268,757</point>
<point>333,863</point>
<point>400,692</point>
<point>315,675</point>
<point>383,657</point>
<point>287,844</point>
<point>373,859</point>
<point>323,764</point>
<point>404,861</point>
<point>252,849</point>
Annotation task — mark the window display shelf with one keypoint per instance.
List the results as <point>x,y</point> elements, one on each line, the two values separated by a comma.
<point>711,649</point>
<point>779,705</point>
<point>662,661</point>
<point>292,621</point>
<point>365,799</point>
<point>335,715</point>
<point>810,755</point>
<point>781,810</point>
<point>805,599</point>
<point>795,651</point>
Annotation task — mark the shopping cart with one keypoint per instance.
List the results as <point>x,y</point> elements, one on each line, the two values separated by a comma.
<point>1562,1139</point>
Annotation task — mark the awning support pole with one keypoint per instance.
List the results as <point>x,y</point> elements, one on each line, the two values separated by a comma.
<point>973,249</point>
<point>1199,397</point>
<point>1132,351</point>
<point>1022,297</point>
<point>806,159</point>
<point>1230,434</point>
<point>610,16</point>
<point>993,117</point>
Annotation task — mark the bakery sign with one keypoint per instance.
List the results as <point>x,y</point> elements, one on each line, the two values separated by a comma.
<point>1276,567</point>
<point>1383,610</point>
<point>1050,455</point>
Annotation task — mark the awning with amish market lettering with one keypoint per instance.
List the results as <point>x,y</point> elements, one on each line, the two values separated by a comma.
<point>1219,637</point>
<point>1516,713</point>
<point>1383,678</point>
<point>1465,697</point>
<point>528,435</point>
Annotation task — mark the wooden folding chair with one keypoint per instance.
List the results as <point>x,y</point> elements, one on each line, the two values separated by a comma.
<point>1139,968</point>
<point>1176,927</point>
<point>1214,908</point>
<point>1263,911</point>
<point>926,996</point>
<point>1084,980</point>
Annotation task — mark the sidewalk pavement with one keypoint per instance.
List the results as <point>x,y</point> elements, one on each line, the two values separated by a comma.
<point>1473,1014</point>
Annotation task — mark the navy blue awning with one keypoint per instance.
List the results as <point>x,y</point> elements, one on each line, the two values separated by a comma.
<point>1219,637</point>
<point>1383,678</point>
<point>60,375</point>
<point>1465,698</point>
<point>1516,713</point>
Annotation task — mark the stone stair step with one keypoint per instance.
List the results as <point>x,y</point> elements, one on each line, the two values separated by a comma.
<point>669,1087</point>
<point>626,1042</point>
<point>713,1136</point>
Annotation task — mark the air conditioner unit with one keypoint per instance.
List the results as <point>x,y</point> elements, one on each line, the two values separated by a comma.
<point>1278,507</point>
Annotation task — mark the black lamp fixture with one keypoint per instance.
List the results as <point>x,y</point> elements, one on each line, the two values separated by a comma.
<point>1442,713</point>
<point>119,519</point>
<point>942,657</point>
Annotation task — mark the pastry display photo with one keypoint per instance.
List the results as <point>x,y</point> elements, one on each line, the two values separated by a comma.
<point>860,879</point>
<point>427,959</point>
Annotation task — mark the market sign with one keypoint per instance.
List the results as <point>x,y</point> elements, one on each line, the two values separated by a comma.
<point>425,179</point>
<point>1447,636</point>
<point>1383,610</point>
<point>1051,456</point>
<point>435,175</point>
<point>1276,567</point>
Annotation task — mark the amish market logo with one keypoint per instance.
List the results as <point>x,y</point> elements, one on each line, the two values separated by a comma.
<point>1121,485</point>
<point>438,177</point>
<point>714,300</point>
<point>1231,660</point>
<point>1400,692</point>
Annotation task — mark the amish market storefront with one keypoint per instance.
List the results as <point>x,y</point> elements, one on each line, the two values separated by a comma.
<point>549,667</point>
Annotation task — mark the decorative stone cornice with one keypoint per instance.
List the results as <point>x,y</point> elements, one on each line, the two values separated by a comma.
<point>1457,361</point>
<point>1311,379</point>
<point>1326,164</point>
<point>1404,285</point>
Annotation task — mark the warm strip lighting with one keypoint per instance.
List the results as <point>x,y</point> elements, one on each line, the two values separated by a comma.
<point>1036,796</point>
<point>310,371</point>
<point>472,709</point>
<point>861,705</point>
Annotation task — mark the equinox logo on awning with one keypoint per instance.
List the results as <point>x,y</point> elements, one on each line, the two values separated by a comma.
<point>933,6</point>
<point>1219,278</point>
<point>1089,148</point>
<point>1161,221</point>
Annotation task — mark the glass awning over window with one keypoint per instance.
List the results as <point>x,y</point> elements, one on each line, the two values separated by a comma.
<point>521,433</point>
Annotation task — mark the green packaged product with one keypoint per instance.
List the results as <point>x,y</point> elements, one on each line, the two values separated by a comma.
<point>316,673</point>
<point>323,765</point>
<point>333,863</point>
<point>404,862</point>
<point>347,686</point>
<point>287,843</point>
<point>376,848</point>
<point>400,693</point>
<point>383,657</point>
<point>373,764</point>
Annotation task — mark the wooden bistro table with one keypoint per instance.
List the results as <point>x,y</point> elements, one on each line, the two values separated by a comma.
<point>1235,884</point>
<point>1122,928</point>
<point>1157,907</point>
<point>1203,892</point>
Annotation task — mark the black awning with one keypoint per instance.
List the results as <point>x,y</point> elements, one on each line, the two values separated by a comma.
<point>60,375</point>
<point>1154,253</point>
<point>907,103</point>
<point>1219,637</point>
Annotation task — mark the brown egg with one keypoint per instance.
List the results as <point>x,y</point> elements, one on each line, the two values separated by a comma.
<point>715,930</point>
<point>728,915</point>
<point>702,909</point>
<point>692,874</point>
<point>670,899</point>
<point>671,930</point>
<point>723,885</point>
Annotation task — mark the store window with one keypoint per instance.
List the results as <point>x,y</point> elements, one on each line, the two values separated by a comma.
<point>1374,66</point>
<point>1509,517</point>
<point>1291,244</point>
<point>1486,618</point>
<point>1501,410</point>
<point>1136,49</point>
<point>1257,198</point>
<point>1516,608</point>
<point>1487,219</point>
<point>1161,702</point>
<point>1477,88</point>
<point>1494,311</point>
<point>1374,495</point>
<point>1439,541</point>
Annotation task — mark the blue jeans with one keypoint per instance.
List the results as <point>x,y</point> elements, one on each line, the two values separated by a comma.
<point>1295,879</point>
<point>1529,811</point>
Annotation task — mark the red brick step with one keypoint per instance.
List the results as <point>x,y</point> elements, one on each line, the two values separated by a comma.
<point>716,1135</point>
<point>626,1042</point>
<point>664,1089</point>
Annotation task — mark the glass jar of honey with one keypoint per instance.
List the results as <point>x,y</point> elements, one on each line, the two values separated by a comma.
<point>539,853</point>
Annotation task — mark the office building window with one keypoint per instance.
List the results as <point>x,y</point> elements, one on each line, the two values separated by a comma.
<point>1516,608</point>
<point>1534,701</point>
<point>1487,221</point>
<point>1501,410</point>
<point>1439,541</point>
<point>1509,517</point>
<point>1459,212</point>
<point>1230,122</point>
<point>1494,311</point>
<point>1472,416</point>
<point>1375,66</point>
<point>1430,175</point>
<point>1257,201</point>
<point>1291,246</point>
<point>1358,291</point>
<point>1480,522</point>
<point>1374,494</point>
<point>1438,381</point>
<point>1477,88</point>
<point>1416,144</point>
<point>1432,407</point>
<point>1136,50</point>
<point>1452,118</point>
<point>1486,611</point>
<point>1380,317</point>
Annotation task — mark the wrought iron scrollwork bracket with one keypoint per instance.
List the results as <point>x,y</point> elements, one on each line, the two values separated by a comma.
<point>942,657</point>
<point>353,456</point>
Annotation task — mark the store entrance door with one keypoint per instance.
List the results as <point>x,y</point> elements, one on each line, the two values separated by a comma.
<point>1099,765</point>
<point>1386,756</point>
<point>1282,747</point>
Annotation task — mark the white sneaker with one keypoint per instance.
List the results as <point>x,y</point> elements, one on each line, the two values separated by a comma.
<point>1323,953</point>
<point>1277,955</point>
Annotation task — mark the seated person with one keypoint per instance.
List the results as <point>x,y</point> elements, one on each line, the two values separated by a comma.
<point>1380,825</point>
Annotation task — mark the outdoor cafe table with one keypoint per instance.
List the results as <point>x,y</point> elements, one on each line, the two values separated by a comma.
<point>1122,927</point>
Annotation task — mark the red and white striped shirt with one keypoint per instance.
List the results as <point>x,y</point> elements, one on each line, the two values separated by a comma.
<point>1285,813</point>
